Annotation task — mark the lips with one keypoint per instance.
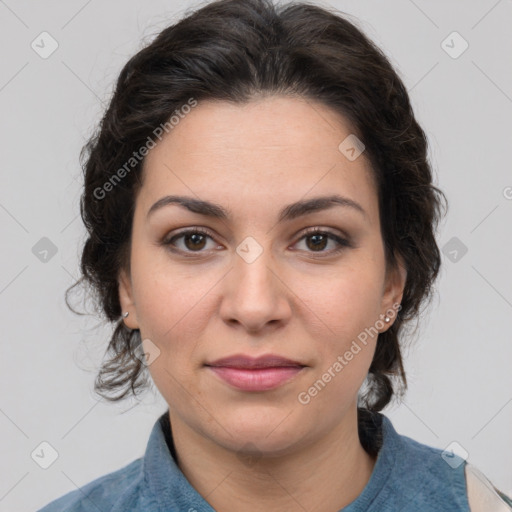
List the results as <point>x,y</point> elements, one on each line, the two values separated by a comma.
<point>248,362</point>
<point>263,373</point>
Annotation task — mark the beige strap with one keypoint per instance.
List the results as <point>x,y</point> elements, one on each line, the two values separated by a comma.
<point>482,495</point>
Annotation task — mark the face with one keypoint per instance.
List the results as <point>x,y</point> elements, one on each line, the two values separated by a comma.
<point>259,280</point>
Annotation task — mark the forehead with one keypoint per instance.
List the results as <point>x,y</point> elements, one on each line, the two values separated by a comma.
<point>276,149</point>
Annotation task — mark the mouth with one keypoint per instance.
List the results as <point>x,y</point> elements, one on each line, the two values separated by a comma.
<point>255,374</point>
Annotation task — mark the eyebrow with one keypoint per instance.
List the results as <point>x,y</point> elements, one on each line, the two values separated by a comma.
<point>290,212</point>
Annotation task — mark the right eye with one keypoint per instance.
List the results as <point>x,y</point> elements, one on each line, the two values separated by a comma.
<point>194,241</point>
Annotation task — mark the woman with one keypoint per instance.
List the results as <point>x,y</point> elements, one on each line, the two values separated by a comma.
<point>261,220</point>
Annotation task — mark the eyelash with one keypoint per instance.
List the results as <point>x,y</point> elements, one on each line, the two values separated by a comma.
<point>342,242</point>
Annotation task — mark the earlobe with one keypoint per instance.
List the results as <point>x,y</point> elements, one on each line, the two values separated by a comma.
<point>401,280</point>
<point>394,290</point>
<point>127,301</point>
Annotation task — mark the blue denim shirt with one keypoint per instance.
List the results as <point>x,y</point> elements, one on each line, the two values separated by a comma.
<point>408,476</point>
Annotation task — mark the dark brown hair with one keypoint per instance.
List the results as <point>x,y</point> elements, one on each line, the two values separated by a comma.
<point>235,50</point>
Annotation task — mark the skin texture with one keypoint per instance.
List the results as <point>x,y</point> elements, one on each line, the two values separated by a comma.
<point>264,450</point>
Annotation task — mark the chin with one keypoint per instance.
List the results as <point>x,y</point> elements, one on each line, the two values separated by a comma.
<point>260,432</point>
<point>246,444</point>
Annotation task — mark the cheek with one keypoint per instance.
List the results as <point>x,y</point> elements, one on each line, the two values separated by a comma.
<point>174,307</point>
<point>342,326</point>
<point>343,299</point>
<point>169,309</point>
<point>164,294</point>
<point>341,312</point>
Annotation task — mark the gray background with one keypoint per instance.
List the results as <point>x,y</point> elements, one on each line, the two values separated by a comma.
<point>459,366</point>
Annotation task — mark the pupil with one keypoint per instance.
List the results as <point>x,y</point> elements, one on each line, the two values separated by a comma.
<point>194,238</point>
<point>318,243</point>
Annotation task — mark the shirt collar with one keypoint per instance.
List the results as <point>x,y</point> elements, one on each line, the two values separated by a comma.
<point>391,445</point>
<point>167,484</point>
<point>170,488</point>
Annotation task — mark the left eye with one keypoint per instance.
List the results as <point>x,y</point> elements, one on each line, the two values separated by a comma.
<point>319,239</point>
<point>194,241</point>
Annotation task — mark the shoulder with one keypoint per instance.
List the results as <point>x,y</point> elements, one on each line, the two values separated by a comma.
<point>103,493</point>
<point>444,477</point>
<point>456,474</point>
<point>482,495</point>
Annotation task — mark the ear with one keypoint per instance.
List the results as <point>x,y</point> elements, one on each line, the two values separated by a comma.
<point>393,290</point>
<point>127,301</point>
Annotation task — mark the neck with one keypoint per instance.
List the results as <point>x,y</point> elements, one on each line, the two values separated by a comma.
<point>327,474</point>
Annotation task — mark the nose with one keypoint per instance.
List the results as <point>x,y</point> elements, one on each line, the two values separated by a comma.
<point>255,295</point>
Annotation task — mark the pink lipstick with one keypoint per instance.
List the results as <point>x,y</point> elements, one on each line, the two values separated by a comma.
<point>255,374</point>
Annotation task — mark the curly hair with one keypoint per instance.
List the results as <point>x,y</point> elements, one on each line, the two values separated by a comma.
<point>235,50</point>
